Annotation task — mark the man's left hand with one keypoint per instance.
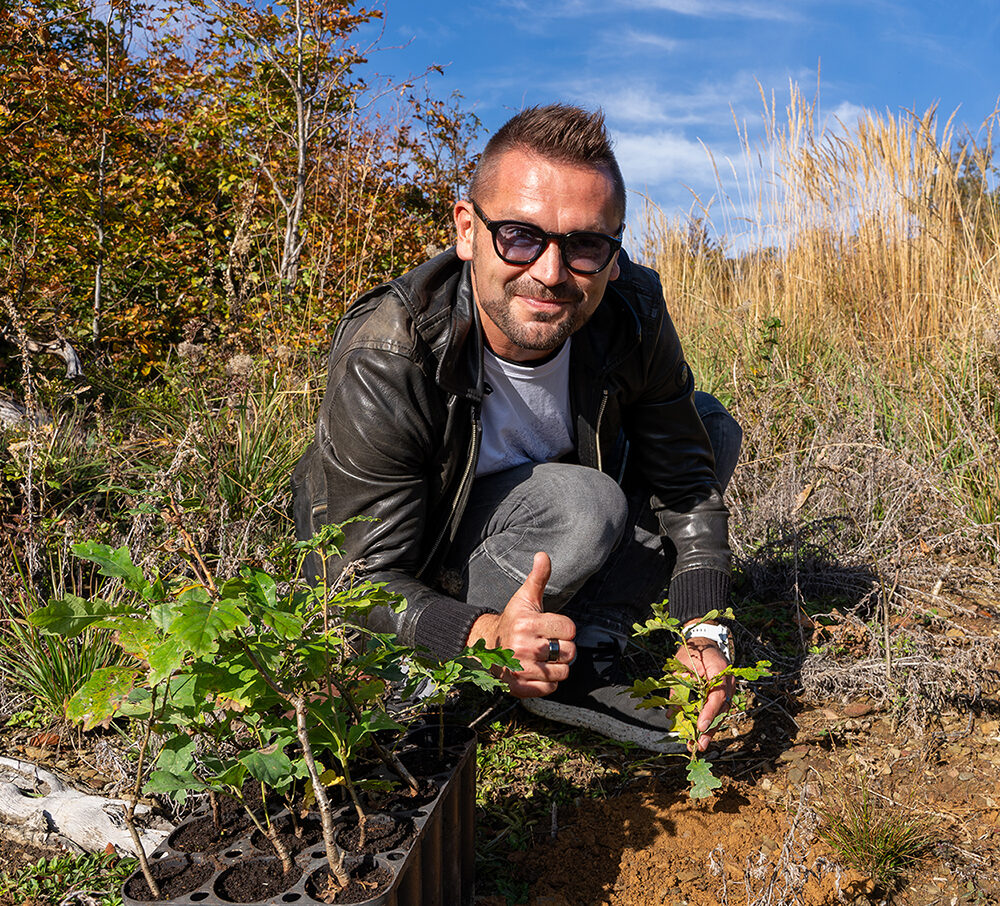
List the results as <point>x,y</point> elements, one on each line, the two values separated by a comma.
<point>705,658</point>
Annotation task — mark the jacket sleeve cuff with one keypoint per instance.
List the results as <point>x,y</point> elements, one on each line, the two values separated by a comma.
<point>695,592</point>
<point>444,627</point>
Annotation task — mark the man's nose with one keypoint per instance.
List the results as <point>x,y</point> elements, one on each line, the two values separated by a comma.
<point>549,268</point>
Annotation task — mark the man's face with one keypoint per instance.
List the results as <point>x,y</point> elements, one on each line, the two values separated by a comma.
<point>528,310</point>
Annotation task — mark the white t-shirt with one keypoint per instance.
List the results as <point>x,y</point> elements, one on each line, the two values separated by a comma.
<point>526,417</point>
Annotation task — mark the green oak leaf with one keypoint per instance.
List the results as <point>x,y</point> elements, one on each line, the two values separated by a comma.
<point>100,698</point>
<point>703,781</point>
<point>116,564</point>
<point>285,625</point>
<point>167,782</point>
<point>136,636</point>
<point>165,659</point>
<point>177,755</point>
<point>202,620</point>
<point>69,616</point>
<point>271,766</point>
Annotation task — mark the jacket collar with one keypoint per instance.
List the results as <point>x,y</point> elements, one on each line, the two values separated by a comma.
<point>438,297</point>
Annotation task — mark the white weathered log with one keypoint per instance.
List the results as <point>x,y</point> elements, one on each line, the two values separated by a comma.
<point>60,346</point>
<point>64,815</point>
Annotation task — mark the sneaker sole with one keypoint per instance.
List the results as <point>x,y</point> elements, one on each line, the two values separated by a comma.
<point>605,725</point>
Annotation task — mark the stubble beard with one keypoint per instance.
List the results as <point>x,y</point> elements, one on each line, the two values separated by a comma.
<point>543,332</point>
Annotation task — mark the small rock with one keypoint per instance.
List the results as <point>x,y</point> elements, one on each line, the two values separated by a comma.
<point>857,709</point>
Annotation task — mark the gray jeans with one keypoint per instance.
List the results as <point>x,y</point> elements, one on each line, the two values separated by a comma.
<point>608,562</point>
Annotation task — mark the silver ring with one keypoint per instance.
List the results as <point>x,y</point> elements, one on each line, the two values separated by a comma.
<point>553,651</point>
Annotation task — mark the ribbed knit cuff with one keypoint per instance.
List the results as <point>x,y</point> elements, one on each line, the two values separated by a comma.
<point>695,592</point>
<point>444,626</point>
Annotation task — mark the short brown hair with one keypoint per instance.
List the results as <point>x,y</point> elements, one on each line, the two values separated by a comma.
<point>559,132</point>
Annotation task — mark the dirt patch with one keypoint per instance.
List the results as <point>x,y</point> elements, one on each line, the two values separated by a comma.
<point>655,845</point>
<point>757,842</point>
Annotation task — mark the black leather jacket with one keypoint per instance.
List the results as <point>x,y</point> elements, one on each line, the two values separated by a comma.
<point>398,437</point>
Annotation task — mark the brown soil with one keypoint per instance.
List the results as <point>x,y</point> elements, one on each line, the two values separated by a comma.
<point>382,833</point>
<point>253,880</point>
<point>175,878</point>
<point>366,886</point>
<point>650,846</point>
<point>310,832</point>
<point>757,838</point>
<point>202,836</point>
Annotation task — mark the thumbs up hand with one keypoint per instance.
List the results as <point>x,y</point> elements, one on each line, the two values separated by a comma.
<point>526,629</point>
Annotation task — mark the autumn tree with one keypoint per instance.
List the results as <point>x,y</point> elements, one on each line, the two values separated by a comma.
<point>213,165</point>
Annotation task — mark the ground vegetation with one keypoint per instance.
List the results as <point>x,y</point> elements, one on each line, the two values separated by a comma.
<point>189,196</point>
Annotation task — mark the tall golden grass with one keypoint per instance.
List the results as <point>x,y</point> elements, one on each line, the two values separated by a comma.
<point>850,297</point>
<point>870,234</point>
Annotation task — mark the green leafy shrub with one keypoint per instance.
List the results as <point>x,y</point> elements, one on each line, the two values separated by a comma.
<point>685,694</point>
<point>286,669</point>
<point>47,881</point>
<point>49,669</point>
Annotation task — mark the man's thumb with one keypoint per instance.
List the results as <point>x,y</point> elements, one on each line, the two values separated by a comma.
<point>530,594</point>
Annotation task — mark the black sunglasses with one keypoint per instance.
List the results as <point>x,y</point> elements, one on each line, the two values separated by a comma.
<point>583,252</point>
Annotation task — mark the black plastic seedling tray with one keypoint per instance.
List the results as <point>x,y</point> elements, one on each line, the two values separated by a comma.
<point>437,867</point>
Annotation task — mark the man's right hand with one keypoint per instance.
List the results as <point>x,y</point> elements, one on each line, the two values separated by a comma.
<point>525,629</point>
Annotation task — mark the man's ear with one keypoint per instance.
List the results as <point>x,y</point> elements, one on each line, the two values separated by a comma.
<point>615,269</point>
<point>464,221</point>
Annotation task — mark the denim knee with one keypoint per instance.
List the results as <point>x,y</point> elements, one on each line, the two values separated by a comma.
<point>584,514</point>
<point>724,433</point>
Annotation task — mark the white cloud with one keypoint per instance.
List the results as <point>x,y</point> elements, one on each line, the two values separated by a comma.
<point>711,105</point>
<point>844,117</point>
<point>717,9</point>
<point>656,158</point>
<point>636,38</point>
<point>768,10</point>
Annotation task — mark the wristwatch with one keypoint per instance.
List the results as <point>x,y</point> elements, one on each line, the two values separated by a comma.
<point>714,631</point>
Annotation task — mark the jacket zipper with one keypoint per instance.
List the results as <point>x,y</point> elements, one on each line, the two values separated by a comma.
<point>462,494</point>
<point>597,428</point>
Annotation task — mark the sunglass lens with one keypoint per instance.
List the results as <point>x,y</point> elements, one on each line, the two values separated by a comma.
<point>587,252</point>
<point>518,243</point>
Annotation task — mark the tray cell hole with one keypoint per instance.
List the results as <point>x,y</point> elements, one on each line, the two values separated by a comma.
<point>394,857</point>
<point>291,898</point>
<point>233,853</point>
<point>199,896</point>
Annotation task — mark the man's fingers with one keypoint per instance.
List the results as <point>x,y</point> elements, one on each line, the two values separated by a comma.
<point>717,703</point>
<point>566,650</point>
<point>522,688</point>
<point>532,591</point>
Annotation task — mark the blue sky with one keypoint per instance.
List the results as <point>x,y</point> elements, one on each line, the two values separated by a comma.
<point>671,75</point>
